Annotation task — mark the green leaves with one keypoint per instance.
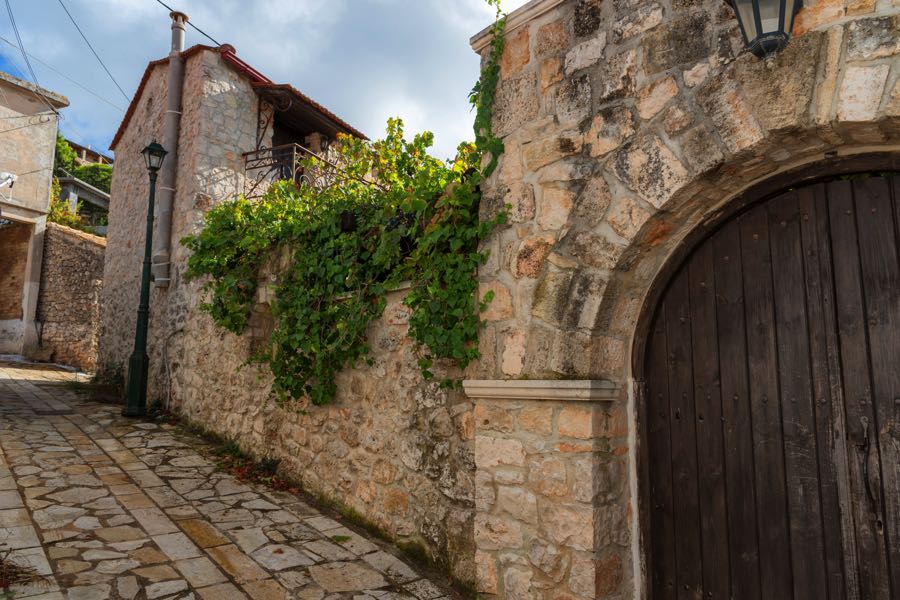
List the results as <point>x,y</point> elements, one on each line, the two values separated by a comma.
<point>391,213</point>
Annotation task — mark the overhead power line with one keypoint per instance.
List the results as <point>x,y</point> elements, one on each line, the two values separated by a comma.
<point>200,31</point>
<point>63,75</point>
<point>12,20</point>
<point>97,56</point>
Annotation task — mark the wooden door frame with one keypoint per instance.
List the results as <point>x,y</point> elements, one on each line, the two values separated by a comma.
<point>803,175</point>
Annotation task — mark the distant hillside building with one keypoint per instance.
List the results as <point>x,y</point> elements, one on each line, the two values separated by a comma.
<point>85,155</point>
<point>28,122</point>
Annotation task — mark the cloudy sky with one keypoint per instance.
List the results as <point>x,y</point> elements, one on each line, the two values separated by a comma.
<point>366,60</point>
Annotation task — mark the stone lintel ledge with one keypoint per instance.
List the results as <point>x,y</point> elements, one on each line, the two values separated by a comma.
<point>522,15</point>
<point>565,390</point>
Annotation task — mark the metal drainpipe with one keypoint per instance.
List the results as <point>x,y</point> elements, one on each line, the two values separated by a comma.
<point>172,126</point>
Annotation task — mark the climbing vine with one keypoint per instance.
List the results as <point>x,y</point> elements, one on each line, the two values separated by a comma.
<point>390,213</point>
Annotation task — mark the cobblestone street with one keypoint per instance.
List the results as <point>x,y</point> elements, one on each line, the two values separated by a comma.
<point>105,507</point>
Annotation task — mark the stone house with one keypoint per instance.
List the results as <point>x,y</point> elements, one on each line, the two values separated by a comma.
<point>30,118</point>
<point>687,385</point>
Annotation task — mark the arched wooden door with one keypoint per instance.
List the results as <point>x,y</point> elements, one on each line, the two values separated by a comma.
<point>772,403</point>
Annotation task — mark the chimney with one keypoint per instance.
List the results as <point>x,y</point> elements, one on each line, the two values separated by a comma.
<point>172,125</point>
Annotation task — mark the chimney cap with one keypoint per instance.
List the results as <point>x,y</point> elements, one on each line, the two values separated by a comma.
<point>176,14</point>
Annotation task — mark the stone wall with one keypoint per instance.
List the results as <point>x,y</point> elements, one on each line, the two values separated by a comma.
<point>626,124</point>
<point>391,447</point>
<point>14,241</point>
<point>69,301</point>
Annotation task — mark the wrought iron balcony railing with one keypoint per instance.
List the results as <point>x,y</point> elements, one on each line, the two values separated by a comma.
<point>265,166</point>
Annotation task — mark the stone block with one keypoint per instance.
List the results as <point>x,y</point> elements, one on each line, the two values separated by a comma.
<point>536,419</point>
<point>609,129</point>
<point>652,98</point>
<point>701,149</point>
<point>551,72</point>
<point>531,255</point>
<point>492,451</point>
<point>555,207</point>
<point>485,572</point>
<point>494,532</point>
<point>519,503</point>
<point>568,525</point>
<point>868,39</point>
<point>548,559</point>
<point>593,201</point>
<point>586,54</point>
<point>627,216</point>
<point>676,119</point>
<point>544,151</point>
<point>587,17</point>
<point>572,99</point>
<point>651,169</point>
<point>520,198</point>
<point>722,100</point>
<point>517,102</point>
<point>609,574</point>
<point>551,297</point>
<point>500,307</point>
<point>547,476</point>
<point>780,90</point>
<point>513,360</point>
<point>552,39</point>
<point>516,53</point>
<point>614,77</point>
<point>583,577</point>
<point>494,417</point>
<point>592,249</point>
<point>860,92</point>
<point>637,21</point>
<point>816,13</point>
<point>585,297</point>
<point>683,41</point>
<point>575,422</point>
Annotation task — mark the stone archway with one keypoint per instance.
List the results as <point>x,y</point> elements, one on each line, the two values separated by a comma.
<point>762,342</point>
<point>627,133</point>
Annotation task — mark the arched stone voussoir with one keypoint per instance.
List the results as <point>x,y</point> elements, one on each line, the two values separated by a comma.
<point>693,211</point>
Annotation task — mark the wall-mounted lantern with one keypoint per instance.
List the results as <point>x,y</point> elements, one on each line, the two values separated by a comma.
<point>766,24</point>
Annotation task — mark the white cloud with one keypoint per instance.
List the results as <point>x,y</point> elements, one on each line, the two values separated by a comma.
<point>363,59</point>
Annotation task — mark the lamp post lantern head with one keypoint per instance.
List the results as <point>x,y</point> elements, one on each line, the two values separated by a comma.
<point>766,24</point>
<point>154,154</point>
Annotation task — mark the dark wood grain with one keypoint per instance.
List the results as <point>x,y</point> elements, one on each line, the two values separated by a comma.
<point>688,547</point>
<point>708,419</point>
<point>880,273</point>
<point>737,424</point>
<point>661,564</point>
<point>837,523</point>
<point>772,503</point>
<point>797,408</point>
<point>849,308</point>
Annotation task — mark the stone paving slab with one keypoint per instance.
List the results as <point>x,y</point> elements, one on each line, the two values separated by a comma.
<point>106,507</point>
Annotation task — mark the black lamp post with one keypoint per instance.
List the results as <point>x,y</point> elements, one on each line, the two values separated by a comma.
<point>136,398</point>
<point>766,24</point>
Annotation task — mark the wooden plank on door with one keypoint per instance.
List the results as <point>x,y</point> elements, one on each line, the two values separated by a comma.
<point>855,371</point>
<point>661,558</point>
<point>772,504</point>
<point>797,408</point>
<point>737,424</point>
<point>880,272</point>
<point>708,422</point>
<point>837,524</point>
<point>688,548</point>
